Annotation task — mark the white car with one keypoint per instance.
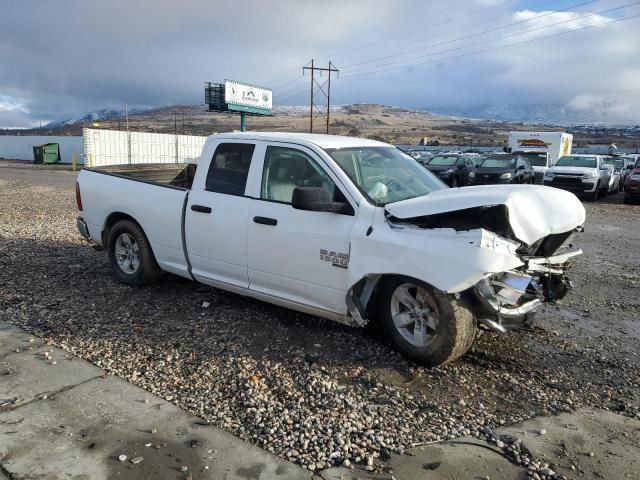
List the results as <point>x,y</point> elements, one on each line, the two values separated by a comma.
<point>586,175</point>
<point>347,229</point>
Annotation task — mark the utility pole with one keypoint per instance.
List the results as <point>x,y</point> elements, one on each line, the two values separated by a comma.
<point>317,88</point>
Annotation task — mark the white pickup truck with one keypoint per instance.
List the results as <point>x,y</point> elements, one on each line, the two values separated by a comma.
<point>584,175</point>
<point>347,229</point>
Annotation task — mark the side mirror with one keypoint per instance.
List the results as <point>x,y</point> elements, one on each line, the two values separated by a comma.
<point>316,199</point>
<point>629,166</point>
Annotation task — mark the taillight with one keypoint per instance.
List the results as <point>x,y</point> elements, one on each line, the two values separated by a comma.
<point>78,197</point>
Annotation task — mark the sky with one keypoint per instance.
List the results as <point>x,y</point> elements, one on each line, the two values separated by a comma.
<point>62,58</point>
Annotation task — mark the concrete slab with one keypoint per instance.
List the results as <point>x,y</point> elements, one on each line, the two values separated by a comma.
<point>568,441</point>
<point>80,431</point>
<point>29,375</point>
<point>12,338</point>
<point>571,438</point>
<point>469,459</point>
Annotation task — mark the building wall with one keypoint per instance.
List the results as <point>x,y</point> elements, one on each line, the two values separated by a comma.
<point>21,147</point>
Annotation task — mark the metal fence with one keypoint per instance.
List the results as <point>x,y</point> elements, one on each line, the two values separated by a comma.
<point>116,147</point>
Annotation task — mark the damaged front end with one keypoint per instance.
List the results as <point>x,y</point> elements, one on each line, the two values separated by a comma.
<point>505,300</point>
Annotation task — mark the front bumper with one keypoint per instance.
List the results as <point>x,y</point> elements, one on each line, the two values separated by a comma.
<point>503,301</point>
<point>576,187</point>
<point>83,229</point>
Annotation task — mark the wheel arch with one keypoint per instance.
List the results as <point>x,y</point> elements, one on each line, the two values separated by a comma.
<point>363,294</point>
<point>114,218</point>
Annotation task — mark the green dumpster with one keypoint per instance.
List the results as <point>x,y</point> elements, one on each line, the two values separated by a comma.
<point>46,153</point>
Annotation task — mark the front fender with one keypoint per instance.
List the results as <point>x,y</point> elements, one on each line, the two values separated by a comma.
<point>448,260</point>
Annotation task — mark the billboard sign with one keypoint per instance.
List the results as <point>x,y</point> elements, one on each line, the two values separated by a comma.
<point>243,97</point>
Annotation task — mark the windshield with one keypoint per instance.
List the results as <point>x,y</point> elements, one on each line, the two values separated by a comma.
<point>385,174</point>
<point>535,159</point>
<point>443,161</point>
<point>573,161</point>
<point>498,163</point>
<point>618,163</point>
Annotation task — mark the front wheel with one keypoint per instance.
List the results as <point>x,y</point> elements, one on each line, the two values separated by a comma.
<point>130,254</point>
<point>424,324</point>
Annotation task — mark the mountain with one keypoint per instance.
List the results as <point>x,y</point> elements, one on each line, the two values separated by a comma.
<point>531,114</point>
<point>96,116</point>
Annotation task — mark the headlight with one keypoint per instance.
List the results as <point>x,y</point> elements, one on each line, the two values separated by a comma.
<point>593,174</point>
<point>635,176</point>
<point>504,176</point>
<point>548,174</point>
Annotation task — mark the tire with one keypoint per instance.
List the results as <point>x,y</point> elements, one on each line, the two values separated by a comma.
<point>595,194</point>
<point>447,326</point>
<point>454,182</point>
<point>130,254</point>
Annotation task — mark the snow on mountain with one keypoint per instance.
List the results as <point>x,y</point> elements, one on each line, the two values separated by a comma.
<point>96,116</point>
<point>532,114</point>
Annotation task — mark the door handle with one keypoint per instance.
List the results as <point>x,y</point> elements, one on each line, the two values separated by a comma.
<point>265,221</point>
<point>201,208</point>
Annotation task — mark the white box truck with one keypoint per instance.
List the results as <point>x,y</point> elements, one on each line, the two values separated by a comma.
<point>542,149</point>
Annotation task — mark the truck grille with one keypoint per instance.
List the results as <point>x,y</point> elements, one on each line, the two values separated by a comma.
<point>538,177</point>
<point>566,181</point>
<point>487,177</point>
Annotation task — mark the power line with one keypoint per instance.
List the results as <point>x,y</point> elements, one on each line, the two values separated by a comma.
<point>347,67</point>
<point>431,26</point>
<point>495,48</point>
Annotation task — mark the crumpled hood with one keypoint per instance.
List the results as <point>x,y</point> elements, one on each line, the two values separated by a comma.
<point>534,211</point>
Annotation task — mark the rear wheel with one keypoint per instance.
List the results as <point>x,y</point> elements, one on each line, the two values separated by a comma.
<point>130,254</point>
<point>424,324</point>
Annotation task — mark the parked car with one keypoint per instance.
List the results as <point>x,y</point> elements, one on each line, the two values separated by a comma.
<point>585,175</point>
<point>454,170</point>
<point>629,161</point>
<point>540,161</point>
<point>616,167</point>
<point>421,156</point>
<point>632,184</point>
<point>504,168</point>
<point>348,229</point>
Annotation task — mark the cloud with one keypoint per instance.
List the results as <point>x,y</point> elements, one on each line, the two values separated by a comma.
<point>608,107</point>
<point>58,59</point>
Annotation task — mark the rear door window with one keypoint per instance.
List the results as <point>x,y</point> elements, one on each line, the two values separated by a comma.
<point>229,168</point>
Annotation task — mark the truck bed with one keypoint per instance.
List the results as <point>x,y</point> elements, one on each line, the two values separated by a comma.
<point>178,175</point>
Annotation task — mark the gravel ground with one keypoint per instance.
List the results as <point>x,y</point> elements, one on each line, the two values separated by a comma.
<point>309,390</point>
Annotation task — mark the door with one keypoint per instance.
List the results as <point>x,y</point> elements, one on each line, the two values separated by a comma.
<point>216,218</point>
<point>298,255</point>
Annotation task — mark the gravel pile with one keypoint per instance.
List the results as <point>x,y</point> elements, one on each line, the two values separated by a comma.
<point>312,391</point>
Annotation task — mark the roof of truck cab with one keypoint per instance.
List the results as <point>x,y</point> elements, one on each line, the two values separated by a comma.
<point>320,140</point>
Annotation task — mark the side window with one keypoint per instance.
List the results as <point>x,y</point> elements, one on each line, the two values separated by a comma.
<point>229,168</point>
<point>287,168</point>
